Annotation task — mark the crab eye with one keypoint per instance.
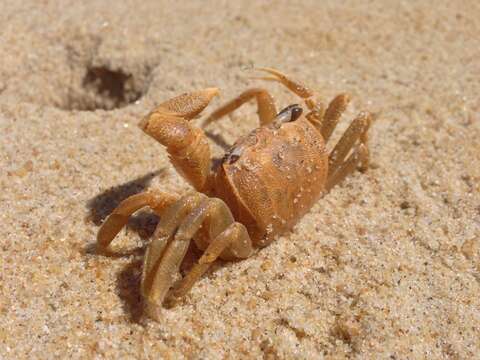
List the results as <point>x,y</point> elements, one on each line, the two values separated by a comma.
<point>232,158</point>
<point>233,154</point>
<point>290,113</point>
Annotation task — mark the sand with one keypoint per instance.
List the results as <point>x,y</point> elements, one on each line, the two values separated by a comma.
<point>387,265</point>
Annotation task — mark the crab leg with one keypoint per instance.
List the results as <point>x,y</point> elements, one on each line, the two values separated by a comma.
<point>168,247</point>
<point>235,237</point>
<point>156,200</point>
<point>332,115</point>
<point>265,104</point>
<point>295,87</point>
<point>236,233</point>
<point>315,116</point>
<point>359,155</point>
<point>357,130</point>
<point>187,145</point>
<point>166,252</point>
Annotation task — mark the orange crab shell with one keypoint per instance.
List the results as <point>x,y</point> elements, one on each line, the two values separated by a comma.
<point>272,177</point>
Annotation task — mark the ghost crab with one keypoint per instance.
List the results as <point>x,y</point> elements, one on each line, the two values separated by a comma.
<point>265,183</point>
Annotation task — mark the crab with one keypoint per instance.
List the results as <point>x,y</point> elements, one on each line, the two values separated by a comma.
<point>260,189</point>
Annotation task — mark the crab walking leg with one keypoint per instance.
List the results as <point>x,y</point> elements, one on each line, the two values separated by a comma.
<point>169,222</point>
<point>332,115</point>
<point>156,200</point>
<point>160,278</point>
<point>357,130</point>
<point>317,110</point>
<point>295,87</point>
<point>265,104</point>
<point>360,155</point>
<point>186,144</point>
<point>235,237</point>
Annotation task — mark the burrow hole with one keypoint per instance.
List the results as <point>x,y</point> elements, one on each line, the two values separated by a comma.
<point>107,89</point>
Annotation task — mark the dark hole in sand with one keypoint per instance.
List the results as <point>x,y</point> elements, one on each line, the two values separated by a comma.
<point>108,89</point>
<point>105,88</point>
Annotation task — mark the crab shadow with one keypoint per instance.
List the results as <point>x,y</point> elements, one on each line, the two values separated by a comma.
<point>128,290</point>
<point>102,205</point>
<point>143,222</point>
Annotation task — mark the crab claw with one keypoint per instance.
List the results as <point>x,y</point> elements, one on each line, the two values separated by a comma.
<point>188,105</point>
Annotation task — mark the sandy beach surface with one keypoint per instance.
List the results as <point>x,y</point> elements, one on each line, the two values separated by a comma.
<point>386,266</point>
